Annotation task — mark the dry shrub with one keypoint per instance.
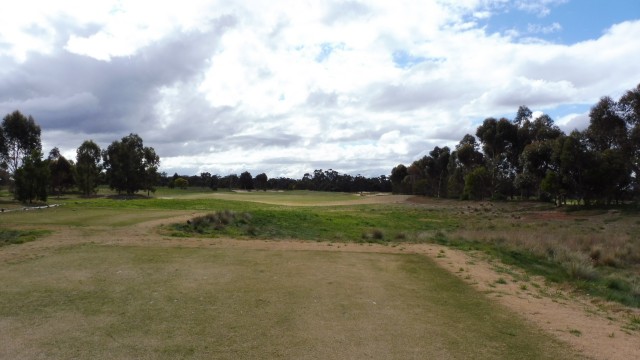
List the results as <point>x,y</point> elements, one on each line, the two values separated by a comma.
<point>601,249</point>
<point>217,220</point>
<point>375,234</point>
<point>581,270</point>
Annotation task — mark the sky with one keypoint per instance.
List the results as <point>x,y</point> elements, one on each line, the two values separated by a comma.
<point>287,87</point>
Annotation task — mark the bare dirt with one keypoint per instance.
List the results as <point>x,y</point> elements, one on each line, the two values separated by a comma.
<point>594,328</point>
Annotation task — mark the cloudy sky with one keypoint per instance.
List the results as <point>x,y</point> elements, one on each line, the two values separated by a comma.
<point>286,87</point>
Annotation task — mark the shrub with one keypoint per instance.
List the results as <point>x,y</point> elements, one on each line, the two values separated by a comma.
<point>375,234</point>
<point>581,270</point>
<point>618,284</point>
<point>218,221</point>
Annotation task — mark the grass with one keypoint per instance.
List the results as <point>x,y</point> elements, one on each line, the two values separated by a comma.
<point>117,302</point>
<point>596,250</point>
<point>9,236</point>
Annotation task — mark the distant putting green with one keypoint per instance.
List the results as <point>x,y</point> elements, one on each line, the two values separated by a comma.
<point>122,302</point>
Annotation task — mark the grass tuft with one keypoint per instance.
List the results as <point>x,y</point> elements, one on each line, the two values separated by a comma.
<point>8,236</point>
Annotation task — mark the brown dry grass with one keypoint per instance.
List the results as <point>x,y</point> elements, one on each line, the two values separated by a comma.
<point>132,293</point>
<point>601,328</point>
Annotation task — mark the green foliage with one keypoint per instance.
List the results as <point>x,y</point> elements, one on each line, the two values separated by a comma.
<point>221,222</point>
<point>19,137</point>
<point>8,236</point>
<point>476,184</point>
<point>261,181</point>
<point>88,167</point>
<point>596,166</point>
<point>32,178</point>
<point>131,166</point>
<point>348,223</point>
<point>62,172</point>
<point>246,181</point>
<point>181,183</point>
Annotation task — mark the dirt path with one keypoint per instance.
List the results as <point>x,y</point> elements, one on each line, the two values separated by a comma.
<point>593,327</point>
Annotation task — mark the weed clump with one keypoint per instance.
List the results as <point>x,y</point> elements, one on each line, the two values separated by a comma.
<point>225,221</point>
<point>375,235</point>
<point>8,237</point>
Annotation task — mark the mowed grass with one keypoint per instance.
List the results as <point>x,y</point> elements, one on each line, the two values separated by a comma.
<point>289,198</point>
<point>347,222</point>
<point>69,215</point>
<point>597,250</point>
<point>111,302</point>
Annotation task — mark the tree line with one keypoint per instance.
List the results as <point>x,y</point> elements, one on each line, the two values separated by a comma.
<point>319,180</point>
<point>126,165</point>
<point>523,157</point>
<point>529,157</point>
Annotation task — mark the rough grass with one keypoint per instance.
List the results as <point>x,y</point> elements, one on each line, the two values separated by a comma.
<point>587,248</point>
<point>10,236</point>
<point>108,302</point>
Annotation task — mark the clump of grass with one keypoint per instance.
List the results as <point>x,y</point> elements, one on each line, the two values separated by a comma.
<point>581,270</point>
<point>575,332</point>
<point>615,283</point>
<point>633,324</point>
<point>501,281</point>
<point>373,236</point>
<point>8,237</point>
<point>440,238</point>
<point>218,221</point>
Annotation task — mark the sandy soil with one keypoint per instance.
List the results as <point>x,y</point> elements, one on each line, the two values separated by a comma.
<point>593,327</point>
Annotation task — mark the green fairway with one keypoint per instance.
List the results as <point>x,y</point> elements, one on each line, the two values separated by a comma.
<point>109,302</point>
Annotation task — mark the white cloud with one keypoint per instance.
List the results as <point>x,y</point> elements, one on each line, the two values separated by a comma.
<point>541,29</point>
<point>540,7</point>
<point>287,87</point>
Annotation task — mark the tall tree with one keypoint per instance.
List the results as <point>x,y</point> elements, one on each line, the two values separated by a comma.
<point>130,166</point>
<point>437,171</point>
<point>20,136</point>
<point>629,106</point>
<point>32,178</point>
<point>609,174</point>
<point>498,139</point>
<point>246,181</point>
<point>150,165</point>
<point>61,170</point>
<point>607,128</point>
<point>398,174</point>
<point>261,181</point>
<point>88,167</point>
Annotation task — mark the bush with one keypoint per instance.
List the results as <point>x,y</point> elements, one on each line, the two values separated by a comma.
<point>581,270</point>
<point>218,221</point>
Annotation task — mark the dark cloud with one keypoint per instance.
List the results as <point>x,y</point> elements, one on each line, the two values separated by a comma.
<point>83,95</point>
<point>321,99</point>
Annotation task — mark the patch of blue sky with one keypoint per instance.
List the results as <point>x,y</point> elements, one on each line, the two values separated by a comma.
<point>567,109</point>
<point>556,113</point>
<point>326,49</point>
<point>566,23</point>
<point>404,59</point>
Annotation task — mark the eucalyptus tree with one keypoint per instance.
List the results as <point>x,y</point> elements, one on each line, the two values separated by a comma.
<point>131,166</point>
<point>19,137</point>
<point>32,178</point>
<point>61,170</point>
<point>88,167</point>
